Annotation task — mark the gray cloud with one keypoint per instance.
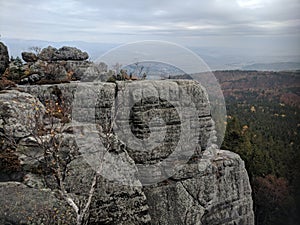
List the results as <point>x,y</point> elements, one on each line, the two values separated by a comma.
<point>120,21</point>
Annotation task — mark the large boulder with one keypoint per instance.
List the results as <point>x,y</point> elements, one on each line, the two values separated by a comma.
<point>87,70</point>
<point>113,203</point>
<point>21,204</point>
<point>64,53</point>
<point>29,57</point>
<point>20,113</point>
<point>210,191</point>
<point>4,58</point>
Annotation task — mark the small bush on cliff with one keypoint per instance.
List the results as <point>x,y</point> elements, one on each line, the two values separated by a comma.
<point>16,70</point>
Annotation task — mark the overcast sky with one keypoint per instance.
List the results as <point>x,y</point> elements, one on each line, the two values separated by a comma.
<point>260,25</point>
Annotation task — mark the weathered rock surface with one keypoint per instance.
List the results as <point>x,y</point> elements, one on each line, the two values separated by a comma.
<point>20,113</point>
<point>29,57</point>
<point>114,203</point>
<point>21,204</point>
<point>63,53</point>
<point>4,58</point>
<point>211,191</point>
<point>53,65</point>
<point>212,188</point>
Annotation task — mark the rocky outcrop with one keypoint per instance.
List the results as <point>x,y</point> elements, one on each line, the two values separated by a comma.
<point>20,113</point>
<point>61,65</point>
<point>113,204</point>
<point>21,204</point>
<point>212,187</point>
<point>51,66</point>
<point>4,58</point>
<point>63,54</point>
<point>29,57</point>
<point>21,116</point>
<point>212,191</point>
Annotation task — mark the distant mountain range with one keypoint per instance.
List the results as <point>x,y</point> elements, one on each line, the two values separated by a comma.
<point>280,66</point>
<point>215,58</point>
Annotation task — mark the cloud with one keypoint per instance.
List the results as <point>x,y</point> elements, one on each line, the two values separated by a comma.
<point>121,21</point>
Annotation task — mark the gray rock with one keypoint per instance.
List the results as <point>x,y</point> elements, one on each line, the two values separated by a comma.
<point>211,188</point>
<point>231,201</point>
<point>72,53</point>
<point>218,193</point>
<point>29,57</point>
<point>21,116</point>
<point>21,204</point>
<point>59,65</point>
<point>20,113</point>
<point>78,68</point>
<point>64,53</point>
<point>4,58</point>
<point>114,203</point>
<point>54,71</point>
<point>94,73</point>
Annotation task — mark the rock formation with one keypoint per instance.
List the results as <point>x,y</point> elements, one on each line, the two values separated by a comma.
<point>53,65</point>
<point>65,53</point>
<point>29,57</point>
<point>211,188</point>
<point>4,58</point>
<point>50,66</point>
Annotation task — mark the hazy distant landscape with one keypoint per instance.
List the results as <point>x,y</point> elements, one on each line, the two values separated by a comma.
<point>217,58</point>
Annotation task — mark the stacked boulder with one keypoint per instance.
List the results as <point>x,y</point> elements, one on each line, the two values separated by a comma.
<point>52,65</point>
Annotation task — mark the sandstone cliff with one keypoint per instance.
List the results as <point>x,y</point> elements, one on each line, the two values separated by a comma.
<point>211,188</point>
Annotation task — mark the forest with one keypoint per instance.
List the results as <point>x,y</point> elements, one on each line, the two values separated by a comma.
<point>263,125</point>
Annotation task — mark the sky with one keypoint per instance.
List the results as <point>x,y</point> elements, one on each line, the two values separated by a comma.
<point>271,26</point>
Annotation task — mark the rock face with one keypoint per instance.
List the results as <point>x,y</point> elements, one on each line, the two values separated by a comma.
<point>20,113</point>
<point>25,205</point>
<point>212,187</point>
<point>4,58</point>
<point>214,191</point>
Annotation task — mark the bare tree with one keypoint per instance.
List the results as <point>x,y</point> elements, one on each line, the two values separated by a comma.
<point>141,70</point>
<point>48,134</point>
<point>117,67</point>
<point>35,49</point>
<point>57,164</point>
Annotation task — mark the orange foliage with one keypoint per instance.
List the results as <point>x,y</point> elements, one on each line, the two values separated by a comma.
<point>271,188</point>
